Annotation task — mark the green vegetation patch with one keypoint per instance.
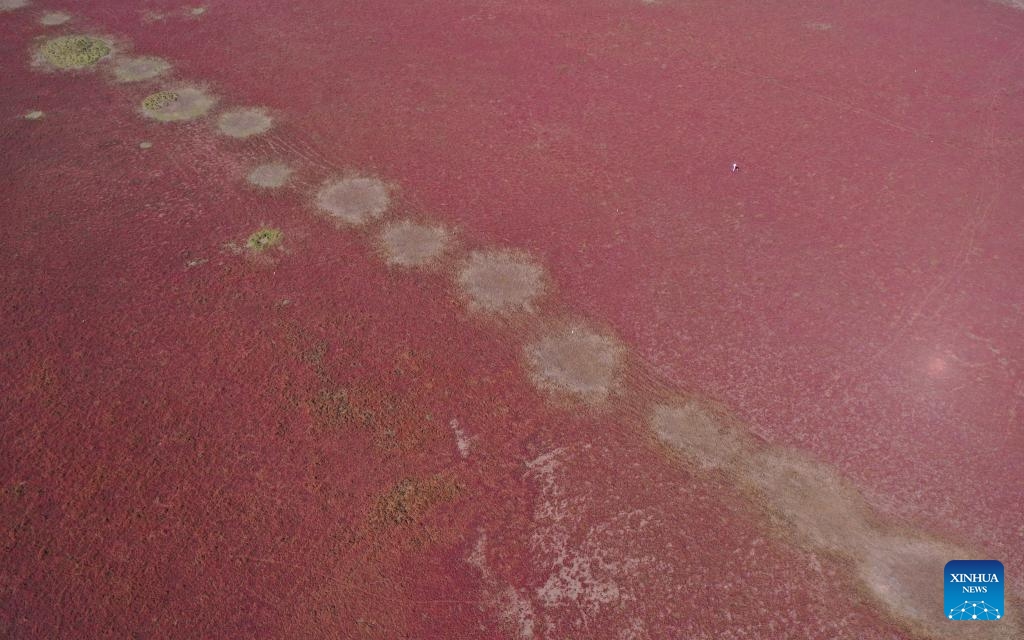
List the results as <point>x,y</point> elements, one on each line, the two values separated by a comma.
<point>264,239</point>
<point>75,52</point>
<point>159,100</point>
<point>179,104</point>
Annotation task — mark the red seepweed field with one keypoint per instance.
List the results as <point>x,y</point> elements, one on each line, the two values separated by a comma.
<point>616,319</point>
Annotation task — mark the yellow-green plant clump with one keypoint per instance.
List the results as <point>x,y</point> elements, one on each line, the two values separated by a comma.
<point>74,52</point>
<point>159,100</point>
<point>264,239</point>
<point>181,103</point>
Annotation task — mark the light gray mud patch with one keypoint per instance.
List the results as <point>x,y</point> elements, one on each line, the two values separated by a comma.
<point>575,361</point>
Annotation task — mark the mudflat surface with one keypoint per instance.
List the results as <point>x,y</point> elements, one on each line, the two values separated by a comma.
<point>453,320</point>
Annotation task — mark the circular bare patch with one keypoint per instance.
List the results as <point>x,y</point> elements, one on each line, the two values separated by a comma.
<point>354,201</point>
<point>175,105</point>
<point>575,361</point>
<point>138,69</point>
<point>811,498</point>
<point>74,51</point>
<point>408,244</point>
<point>11,5</point>
<point>696,433</point>
<point>243,123</point>
<point>501,281</point>
<point>53,18</point>
<point>271,175</point>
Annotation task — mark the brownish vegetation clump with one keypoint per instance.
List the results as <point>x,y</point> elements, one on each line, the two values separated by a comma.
<point>409,501</point>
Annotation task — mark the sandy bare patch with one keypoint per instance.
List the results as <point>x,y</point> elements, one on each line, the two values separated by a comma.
<point>575,361</point>
<point>354,201</point>
<point>270,175</point>
<point>175,105</point>
<point>244,123</point>
<point>697,434</point>
<point>408,244</point>
<point>53,18</point>
<point>905,574</point>
<point>11,5</point>
<point>501,281</point>
<point>139,69</point>
<point>810,498</point>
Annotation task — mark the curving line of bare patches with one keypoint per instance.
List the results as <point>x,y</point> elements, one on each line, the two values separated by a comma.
<point>572,361</point>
